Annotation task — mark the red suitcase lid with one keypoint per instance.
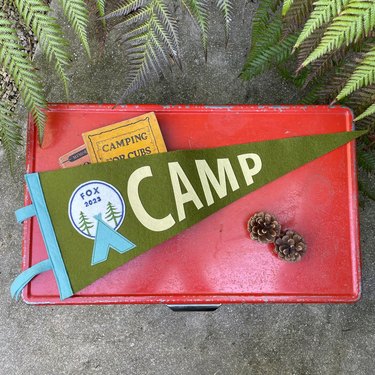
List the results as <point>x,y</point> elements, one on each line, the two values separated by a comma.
<point>214,261</point>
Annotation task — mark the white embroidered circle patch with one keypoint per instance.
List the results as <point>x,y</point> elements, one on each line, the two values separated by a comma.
<point>93,198</point>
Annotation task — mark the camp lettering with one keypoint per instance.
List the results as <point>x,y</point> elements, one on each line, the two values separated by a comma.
<point>184,191</point>
<point>125,142</point>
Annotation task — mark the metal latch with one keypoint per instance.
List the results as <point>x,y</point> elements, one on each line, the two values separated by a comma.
<point>194,307</point>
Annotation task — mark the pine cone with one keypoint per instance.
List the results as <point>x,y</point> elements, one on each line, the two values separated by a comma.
<point>290,246</point>
<point>263,227</point>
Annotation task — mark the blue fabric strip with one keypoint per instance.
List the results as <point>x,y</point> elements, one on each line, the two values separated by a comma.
<point>25,213</point>
<point>46,227</point>
<point>26,276</point>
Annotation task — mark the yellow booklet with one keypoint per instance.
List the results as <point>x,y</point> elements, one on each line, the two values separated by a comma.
<point>138,136</point>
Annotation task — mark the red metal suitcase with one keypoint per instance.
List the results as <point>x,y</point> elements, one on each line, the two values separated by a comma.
<point>215,262</point>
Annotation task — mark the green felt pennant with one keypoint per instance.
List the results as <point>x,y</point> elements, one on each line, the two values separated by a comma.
<point>150,199</point>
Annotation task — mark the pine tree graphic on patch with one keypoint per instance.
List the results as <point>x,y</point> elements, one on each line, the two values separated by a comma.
<point>112,214</point>
<point>85,224</point>
<point>90,199</point>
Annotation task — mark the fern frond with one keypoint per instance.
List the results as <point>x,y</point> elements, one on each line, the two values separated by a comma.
<point>198,9</point>
<point>16,63</point>
<point>367,123</point>
<point>100,6</point>
<point>366,160</point>
<point>368,112</point>
<point>297,15</point>
<point>264,41</point>
<point>297,80</point>
<point>272,56</point>
<point>166,28</point>
<point>344,63</point>
<point>151,40</point>
<point>326,63</point>
<point>333,84</point>
<point>323,13</point>
<point>78,16</point>
<point>313,95</point>
<point>356,20</point>
<point>286,6</point>
<point>263,16</point>
<point>364,75</point>
<point>366,189</point>
<point>10,133</point>
<point>226,9</point>
<point>362,98</point>
<point>266,28</point>
<point>48,32</point>
<point>266,31</point>
<point>126,7</point>
<point>136,16</point>
<point>308,45</point>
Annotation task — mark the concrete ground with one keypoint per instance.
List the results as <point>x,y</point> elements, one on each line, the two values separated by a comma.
<point>244,339</point>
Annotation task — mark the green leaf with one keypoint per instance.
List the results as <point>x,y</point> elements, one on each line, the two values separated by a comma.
<point>356,20</point>
<point>78,16</point>
<point>17,64</point>
<point>49,34</point>
<point>364,75</point>
<point>368,112</point>
<point>10,133</point>
<point>323,13</point>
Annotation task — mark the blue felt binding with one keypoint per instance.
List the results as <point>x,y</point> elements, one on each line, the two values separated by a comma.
<point>26,276</point>
<point>45,224</point>
<point>25,213</point>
